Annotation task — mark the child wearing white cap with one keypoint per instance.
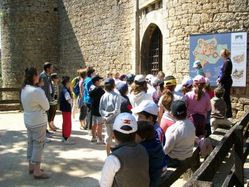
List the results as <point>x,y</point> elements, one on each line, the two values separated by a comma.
<point>198,67</point>
<point>128,165</point>
<point>148,111</point>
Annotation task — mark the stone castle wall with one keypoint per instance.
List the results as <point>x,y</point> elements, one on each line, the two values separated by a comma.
<point>187,17</point>
<point>29,37</point>
<point>107,34</point>
<point>99,33</point>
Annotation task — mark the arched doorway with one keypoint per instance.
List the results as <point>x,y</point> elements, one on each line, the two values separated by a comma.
<point>151,51</point>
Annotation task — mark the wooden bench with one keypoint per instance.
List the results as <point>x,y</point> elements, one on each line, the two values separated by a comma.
<point>235,142</point>
<point>173,174</point>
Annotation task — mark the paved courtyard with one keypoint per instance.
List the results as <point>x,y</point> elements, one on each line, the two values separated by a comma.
<point>68,165</point>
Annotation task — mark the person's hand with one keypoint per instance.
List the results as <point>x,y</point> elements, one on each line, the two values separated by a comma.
<point>218,82</point>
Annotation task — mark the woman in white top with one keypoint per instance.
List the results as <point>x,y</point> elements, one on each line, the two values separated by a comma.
<point>139,91</point>
<point>35,105</point>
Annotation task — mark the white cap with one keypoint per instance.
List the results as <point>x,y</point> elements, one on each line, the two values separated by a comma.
<point>196,64</point>
<point>147,106</point>
<point>154,81</point>
<point>139,78</point>
<point>149,77</point>
<point>125,119</point>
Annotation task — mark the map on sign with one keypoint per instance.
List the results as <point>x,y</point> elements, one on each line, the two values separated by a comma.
<point>206,49</point>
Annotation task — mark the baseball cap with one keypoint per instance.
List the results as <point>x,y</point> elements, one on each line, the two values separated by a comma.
<point>170,81</point>
<point>187,82</point>
<point>178,108</point>
<point>196,64</point>
<point>149,77</point>
<point>121,87</point>
<point>96,78</point>
<point>122,121</point>
<point>147,106</point>
<point>154,81</point>
<point>139,79</point>
<point>109,81</point>
<point>199,79</point>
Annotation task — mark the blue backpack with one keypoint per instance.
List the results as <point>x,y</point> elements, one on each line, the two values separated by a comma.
<point>76,88</point>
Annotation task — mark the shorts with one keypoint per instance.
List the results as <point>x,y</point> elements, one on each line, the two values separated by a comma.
<point>97,120</point>
<point>109,133</point>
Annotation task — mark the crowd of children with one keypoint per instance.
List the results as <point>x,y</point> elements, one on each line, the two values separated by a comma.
<point>151,123</point>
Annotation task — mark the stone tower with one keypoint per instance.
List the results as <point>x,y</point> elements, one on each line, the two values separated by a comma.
<point>29,37</point>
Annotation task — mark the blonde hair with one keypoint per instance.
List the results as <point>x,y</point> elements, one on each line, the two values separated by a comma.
<point>225,52</point>
<point>137,88</point>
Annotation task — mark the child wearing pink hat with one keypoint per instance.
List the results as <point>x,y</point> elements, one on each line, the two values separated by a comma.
<point>198,105</point>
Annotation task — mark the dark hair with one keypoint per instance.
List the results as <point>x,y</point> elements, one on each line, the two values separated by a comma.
<point>122,138</point>
<point>54,76</point>
<point>109,87</point>
<point>29,76</point>
<point>47,65</point>
<point>219,92</point>
<point>83,73</point>
<point>90,71</point>
<point>65,80</point>
<point>145,130</point>
<point>147,115</point>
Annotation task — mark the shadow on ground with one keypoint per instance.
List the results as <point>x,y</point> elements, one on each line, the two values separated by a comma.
<point>68,165</point>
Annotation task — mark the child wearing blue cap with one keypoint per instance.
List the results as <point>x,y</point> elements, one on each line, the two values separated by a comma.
<point>109,108</point>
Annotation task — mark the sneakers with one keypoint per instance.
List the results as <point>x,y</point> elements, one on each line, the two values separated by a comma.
<point>68,141</point>
<point>47,140</point>
<point>101,142</point>
<point>94,140</point>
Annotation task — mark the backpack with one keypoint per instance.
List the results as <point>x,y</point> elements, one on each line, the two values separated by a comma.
<point>76,87</point>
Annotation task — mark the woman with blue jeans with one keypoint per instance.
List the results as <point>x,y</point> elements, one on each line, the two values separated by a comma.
<point>35,105</point>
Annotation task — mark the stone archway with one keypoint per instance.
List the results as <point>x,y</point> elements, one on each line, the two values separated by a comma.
<point>151,50</point>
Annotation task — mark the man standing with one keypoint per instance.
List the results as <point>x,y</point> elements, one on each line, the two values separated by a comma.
<point>47,87</point>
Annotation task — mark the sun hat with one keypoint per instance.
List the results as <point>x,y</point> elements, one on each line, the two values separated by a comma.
<point>146,106</point>
<point>122,121</point>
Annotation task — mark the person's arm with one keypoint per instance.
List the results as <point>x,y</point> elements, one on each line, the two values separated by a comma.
<point>102,111</point>
<point>42,99</point>
<point>110,168</point>
<point>170,140</point>
<point>68,98</point>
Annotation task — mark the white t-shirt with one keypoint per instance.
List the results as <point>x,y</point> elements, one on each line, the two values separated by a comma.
<point>180,139</point>
<point>110,168</point>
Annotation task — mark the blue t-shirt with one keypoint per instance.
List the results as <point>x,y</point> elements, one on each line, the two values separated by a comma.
<point>88,83</point>
<point>157,159</point>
